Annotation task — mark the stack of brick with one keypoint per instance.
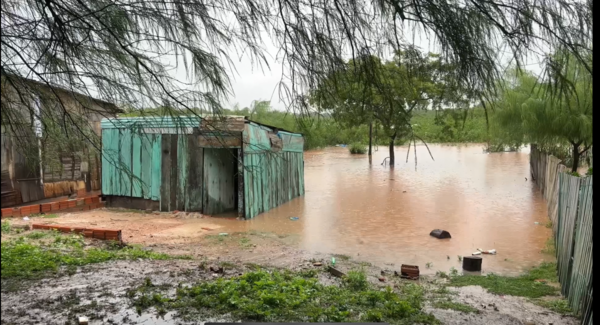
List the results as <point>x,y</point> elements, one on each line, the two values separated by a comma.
<point>81,204</point>
<point>106,234</point>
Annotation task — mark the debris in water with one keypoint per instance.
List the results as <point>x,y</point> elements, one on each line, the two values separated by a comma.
<point>472,263</point>
<point>26,218</point>
<point>333,261</point>
<point>476,253</point>
<point>537,223</point>
<point>317,263</point>
<point>490,252</point>
<point>83,320</point>
<point>409,271</point>
<point>381,279</point>
<point>223,234</point>
<point>440,234</point>
<point>294,218</point>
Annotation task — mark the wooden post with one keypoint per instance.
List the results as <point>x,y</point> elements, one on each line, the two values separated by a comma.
<point>370,137</point>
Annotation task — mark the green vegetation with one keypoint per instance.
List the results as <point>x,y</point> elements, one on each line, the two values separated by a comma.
<point>451,125</point>
<point>6,228</point>
<point>369,90</point>
<point>556,113</point>
<point>523,286</point>
<point>560,305</point>
<point>357,148</point>
<point>550,246</point>
<point>449,304</point>
<point>42,252</point>
<point>287,296</point>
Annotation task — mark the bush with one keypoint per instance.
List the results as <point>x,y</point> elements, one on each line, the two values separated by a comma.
<point>285,296</point>
<point>357,148</point>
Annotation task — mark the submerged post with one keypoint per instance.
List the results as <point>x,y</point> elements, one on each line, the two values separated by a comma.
<point>370,137</point>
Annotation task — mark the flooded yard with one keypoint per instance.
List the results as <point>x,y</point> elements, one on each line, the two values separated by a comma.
<point>376,214</point>
<point>384,215</point>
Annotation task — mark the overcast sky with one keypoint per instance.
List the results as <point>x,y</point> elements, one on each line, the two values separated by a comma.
<point>251,83</point>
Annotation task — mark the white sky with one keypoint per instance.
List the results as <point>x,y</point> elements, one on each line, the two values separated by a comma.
<point>252,83</point>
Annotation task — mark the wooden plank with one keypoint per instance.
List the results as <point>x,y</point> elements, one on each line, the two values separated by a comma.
<point>182,171</point>
<point>174,173</point>
<point>155,188</point>
<point>136,165</point>
<point>241,194</point>
<point>146,160</point>
<point>165,192</point>
<point>125,156</point>
<point>195,176</point>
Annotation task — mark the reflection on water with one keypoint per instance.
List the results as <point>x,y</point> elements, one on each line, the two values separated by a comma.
<point>384,216</point>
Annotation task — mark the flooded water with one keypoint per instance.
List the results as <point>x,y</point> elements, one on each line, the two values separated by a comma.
<point>384,215</point>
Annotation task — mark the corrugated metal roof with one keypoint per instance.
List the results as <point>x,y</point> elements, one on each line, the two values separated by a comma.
<point>153,122</point>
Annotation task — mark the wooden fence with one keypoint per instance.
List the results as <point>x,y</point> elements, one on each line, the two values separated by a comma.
<point>570,208</point>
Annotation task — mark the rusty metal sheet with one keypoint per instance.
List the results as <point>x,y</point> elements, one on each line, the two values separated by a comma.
<point>219,141</point>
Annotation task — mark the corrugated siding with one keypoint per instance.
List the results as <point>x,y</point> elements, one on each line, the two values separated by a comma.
<point>270,178</point>
<point>131,164</point>
<point>570,208</point>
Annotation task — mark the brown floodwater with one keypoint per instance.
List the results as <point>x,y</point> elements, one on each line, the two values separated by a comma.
<point>384,216</point>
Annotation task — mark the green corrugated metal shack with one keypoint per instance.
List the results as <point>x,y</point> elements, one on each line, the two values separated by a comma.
<point>195,164</point>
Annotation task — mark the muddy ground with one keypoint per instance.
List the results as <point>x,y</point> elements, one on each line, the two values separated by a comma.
<point>99,291</point>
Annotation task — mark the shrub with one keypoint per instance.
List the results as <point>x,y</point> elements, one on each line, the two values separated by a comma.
<point>357,148</point>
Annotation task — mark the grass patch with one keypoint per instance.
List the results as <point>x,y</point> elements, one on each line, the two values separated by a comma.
<point>39,253</point>
<point>357,149</point>
<point>288,296</point>
<point>550,247</point>
<point>523,286</point>
<point>245,242</point>
<point>6,228</point>
<point>342,257</point>
<point>560,306</point>
<point>448,304</point>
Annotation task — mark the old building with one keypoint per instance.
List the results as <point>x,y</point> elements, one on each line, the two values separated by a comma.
<point>208,165</point>
<point>50,140</point>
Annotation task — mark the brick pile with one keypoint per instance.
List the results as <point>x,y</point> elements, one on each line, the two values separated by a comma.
<point>98,233</point>
<point>66,205</point>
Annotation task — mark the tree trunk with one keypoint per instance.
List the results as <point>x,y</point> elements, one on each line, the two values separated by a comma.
<point>370,137</point>
<point>576,155</point>
<point>392,158</point>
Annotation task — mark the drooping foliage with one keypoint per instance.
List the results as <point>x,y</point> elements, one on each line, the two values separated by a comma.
<point>124,51</point>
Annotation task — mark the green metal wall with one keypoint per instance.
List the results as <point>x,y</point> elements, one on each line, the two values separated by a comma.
<point>170,166</point>
<point>159,167</point>
<point>271,178</point>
